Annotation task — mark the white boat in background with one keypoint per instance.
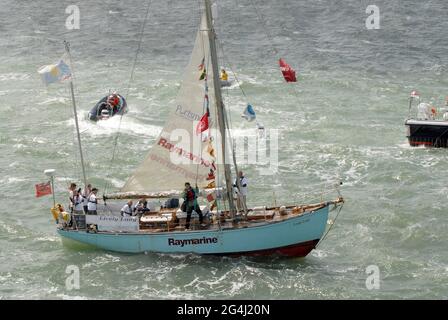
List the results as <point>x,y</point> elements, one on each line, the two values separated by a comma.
<point>428,126</point>
<point>289,230</point>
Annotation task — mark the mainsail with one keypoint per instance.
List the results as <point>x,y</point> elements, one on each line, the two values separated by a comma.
<point>182,152</point>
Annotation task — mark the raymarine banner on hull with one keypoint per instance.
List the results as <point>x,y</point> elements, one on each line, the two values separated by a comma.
<point>113,223</point>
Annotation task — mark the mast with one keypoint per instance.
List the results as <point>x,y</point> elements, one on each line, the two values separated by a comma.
<point>67,49</point>
<point>218,101</point>
<point>410,106</point>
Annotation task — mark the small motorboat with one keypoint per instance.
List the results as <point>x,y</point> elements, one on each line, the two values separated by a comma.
<point>108,107</point>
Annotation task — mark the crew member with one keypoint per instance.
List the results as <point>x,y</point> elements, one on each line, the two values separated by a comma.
<point>78,202</point>
<point>242,191</point>
<point>113,102</point>
<point>224,75</point>
<point>191,203</point>
<point>85,197</point>
<point>71,195</point>
<point>126,211</point>
<point>92,202</point>
<point>141,207</point>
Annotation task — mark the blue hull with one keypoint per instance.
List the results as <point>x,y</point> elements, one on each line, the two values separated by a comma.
<point>295,236</point>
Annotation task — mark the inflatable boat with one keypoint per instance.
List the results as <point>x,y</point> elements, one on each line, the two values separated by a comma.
<point>226,83</point>
<point>108,107</point>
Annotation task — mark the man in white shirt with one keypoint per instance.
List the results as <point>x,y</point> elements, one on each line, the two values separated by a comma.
<point>71,194</point>
<point>78,202</point>
<point>92,202</point>
<point>242,194</point>
<point>85,197</point>
<point>126,211</point>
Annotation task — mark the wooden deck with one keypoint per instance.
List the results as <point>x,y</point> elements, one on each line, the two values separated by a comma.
<point>166,220</point>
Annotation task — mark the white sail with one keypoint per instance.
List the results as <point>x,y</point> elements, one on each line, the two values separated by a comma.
<point>181,154</point>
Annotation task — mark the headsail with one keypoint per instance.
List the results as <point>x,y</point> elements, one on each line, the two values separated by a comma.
<point>182,153</point>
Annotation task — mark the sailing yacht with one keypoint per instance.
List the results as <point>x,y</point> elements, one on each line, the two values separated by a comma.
<point>200,156</point>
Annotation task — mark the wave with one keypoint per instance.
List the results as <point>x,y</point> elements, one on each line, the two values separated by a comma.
<point>113,125</point>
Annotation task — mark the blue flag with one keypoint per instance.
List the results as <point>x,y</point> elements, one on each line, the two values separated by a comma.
<point>249,113</point>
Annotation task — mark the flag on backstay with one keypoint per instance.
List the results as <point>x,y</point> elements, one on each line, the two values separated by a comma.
<point>43,189</point>
<point>211,184</point>
<point>203,124</point>
<point>201,66</point>
<point>210,197</point>
<point>211,175</point>
<point>249,113</point>
<point>203,74</point>
<point>57,72</point>
<point>213,206</point>
<point>288,73</point>
<point>211,150</point>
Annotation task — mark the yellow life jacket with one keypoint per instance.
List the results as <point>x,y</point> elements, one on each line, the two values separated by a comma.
<point>224,76</point>
<point>55,213</point>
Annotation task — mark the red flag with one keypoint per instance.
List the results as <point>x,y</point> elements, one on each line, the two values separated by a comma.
<point>210,197</point>
<point>211,175</point>
<point>288,73</point>
<point>203,124</point>
<point>43,189</point>
<point>201,66</point>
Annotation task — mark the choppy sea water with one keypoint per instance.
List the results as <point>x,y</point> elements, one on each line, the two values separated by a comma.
<point>343,120</point>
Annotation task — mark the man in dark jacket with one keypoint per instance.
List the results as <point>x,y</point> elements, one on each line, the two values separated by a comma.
<point>191,203</point>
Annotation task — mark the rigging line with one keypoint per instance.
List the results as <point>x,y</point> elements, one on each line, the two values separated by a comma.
<point>331,225</point>
<point>268,35</point>
<point>228,115</point>
<point>75,142</point>
<point>263,25</point>
<point>260,17</point>
<point>70,134</point>
<point>227,110</point>
<point>226,61</point>
<point>228,119</point>
<point>199,9</point>
<point>205,87</point>
<point>138,48</point>
<point>106,186</point>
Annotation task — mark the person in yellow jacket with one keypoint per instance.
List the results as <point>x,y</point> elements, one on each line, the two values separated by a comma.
<point>224,76</point>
